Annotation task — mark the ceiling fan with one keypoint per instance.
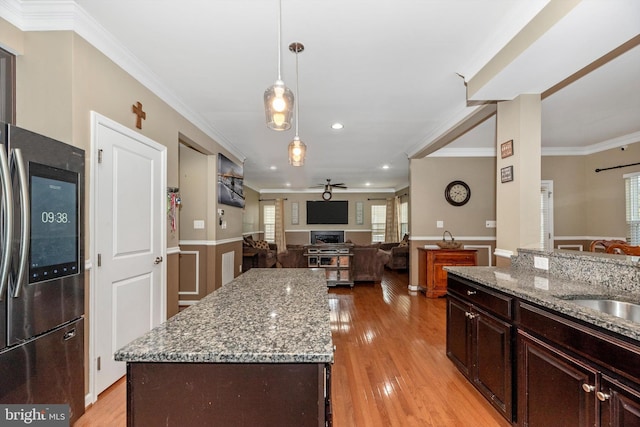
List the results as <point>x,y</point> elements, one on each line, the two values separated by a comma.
<point>328,187</point>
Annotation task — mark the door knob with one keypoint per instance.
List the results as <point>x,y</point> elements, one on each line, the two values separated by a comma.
<point>158,260</point>
<point>602,396</point>
<point>588,387</point>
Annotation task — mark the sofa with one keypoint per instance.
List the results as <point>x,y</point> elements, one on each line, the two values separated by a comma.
<point>258,254</point>
<point>368,263</point>
<point>293,257</point>
<point>398,254</point>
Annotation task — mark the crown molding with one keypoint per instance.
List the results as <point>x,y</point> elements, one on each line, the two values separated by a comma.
<point>67,15</point>
<point>333,190</point>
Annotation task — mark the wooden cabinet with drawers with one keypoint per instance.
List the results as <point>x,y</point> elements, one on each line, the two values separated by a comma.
<point>432,279</point>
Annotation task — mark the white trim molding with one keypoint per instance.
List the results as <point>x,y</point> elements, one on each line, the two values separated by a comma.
<point>210,242</point>
<point>173,250</point>
<point>503,253</point>
<point>197,279</point>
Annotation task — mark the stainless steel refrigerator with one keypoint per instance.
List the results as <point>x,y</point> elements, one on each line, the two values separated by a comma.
<point>41,271</point>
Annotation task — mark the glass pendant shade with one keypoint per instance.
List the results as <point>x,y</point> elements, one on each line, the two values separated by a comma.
<point>278,106</point>
<point>297,152</point>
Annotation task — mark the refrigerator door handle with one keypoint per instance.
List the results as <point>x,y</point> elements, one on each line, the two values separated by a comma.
<point>7,202</point>
<point>25,217</point>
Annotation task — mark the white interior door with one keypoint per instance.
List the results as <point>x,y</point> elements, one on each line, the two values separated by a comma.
<point>546,215</point>
<point>130,243</point>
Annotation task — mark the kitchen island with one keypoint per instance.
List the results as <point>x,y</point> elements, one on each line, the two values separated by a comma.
<point>542,345</point>
<point>257,351</point>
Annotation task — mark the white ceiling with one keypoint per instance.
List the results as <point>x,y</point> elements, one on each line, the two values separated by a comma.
<point>386,69</point>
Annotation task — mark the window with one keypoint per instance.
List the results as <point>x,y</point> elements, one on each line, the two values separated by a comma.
<point>632,196</point>
<point>269,219</point>
<point>378,220</point>
<point>7,86</point>
<point>404,218</point>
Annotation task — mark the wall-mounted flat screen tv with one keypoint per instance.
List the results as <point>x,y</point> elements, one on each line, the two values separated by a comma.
<point>328,212</point>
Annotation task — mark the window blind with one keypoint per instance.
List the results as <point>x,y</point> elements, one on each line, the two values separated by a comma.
<point>269,219</point>
<point>378,219</point>
<point>632,193</point>
<point>404,218</point>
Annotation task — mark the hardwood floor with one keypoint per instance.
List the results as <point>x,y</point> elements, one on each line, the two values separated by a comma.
<point>390,365</point>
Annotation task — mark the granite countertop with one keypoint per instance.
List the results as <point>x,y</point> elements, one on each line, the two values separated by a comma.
<point>263,316</point>
<point>556,294</point>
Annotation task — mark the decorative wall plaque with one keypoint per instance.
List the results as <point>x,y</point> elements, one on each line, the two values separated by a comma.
<point>506,149</point>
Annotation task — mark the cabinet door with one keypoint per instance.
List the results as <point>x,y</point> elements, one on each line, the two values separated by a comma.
<point>459,334</point>
<point>492,367</point>
<point>620,405</point>
<point>550,387</point>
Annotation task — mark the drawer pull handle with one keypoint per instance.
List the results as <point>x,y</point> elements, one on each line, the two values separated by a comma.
<point>470,315</point>
<point>588,387</point>
<point>471,292</point>
<point>602,397</point>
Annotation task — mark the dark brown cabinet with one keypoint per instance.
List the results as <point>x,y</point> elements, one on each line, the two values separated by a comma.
<point>553,388</point>
<point>620,405</point>
<point>432,278</point>
<point>571,374</point>
<point>479,341</point>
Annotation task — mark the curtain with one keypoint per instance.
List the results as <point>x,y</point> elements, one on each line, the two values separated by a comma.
<point>391,225</point>
<point>398,205</point>
<point>279,229</point>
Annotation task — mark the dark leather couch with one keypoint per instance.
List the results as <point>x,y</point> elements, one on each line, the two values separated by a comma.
<point>368,263</point>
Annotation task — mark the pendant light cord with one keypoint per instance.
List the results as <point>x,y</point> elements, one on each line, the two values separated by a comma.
<point>279,38</point>
<point>297,96</point>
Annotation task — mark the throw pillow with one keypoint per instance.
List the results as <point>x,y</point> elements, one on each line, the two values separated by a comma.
<point>261,244</point>
<point>249,240</point>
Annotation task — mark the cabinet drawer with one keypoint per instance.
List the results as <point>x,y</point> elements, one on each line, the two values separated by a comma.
<point>496,303</point>
<point>614,354</point>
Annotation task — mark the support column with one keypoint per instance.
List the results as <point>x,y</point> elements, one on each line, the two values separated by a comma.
<point>518,201</point>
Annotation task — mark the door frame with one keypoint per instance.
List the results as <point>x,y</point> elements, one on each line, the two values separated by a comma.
<point>96,120</point>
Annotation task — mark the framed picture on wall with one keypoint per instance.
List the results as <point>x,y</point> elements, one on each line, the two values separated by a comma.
<point>506,149</point>
<point>506,174</point>
<point>230,182</point>
<point>295,217</point>
<point>359,213</point>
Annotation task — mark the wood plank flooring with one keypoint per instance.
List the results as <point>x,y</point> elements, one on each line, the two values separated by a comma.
<point>390,365</point>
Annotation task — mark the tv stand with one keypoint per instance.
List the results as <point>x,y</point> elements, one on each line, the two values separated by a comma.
<point>335,259</point>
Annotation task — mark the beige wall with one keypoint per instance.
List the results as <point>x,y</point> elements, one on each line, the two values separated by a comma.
<point>193,193</point>
<point>587,204</point>
<point>251,214</point>
<point>429,177</point>
<point>299,233</point>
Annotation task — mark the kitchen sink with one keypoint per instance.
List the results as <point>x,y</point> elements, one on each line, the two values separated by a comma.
<point>625,310</point>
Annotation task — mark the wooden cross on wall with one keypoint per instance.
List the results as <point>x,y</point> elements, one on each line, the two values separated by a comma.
<point>140,115</point>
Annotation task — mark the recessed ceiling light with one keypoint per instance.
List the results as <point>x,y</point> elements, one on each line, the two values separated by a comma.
<point>288,184</point>
<point>273,168</point>
<point>385,166</point>
<point>367,184</point>
<point>337,126</point>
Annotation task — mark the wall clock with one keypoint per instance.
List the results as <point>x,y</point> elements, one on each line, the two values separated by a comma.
<point>457,193</point>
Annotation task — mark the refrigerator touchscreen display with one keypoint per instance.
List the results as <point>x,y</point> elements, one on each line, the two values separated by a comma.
<point>54,223</point>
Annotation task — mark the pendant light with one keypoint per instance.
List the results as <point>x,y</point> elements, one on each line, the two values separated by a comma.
<point>297,148</point>
<point>278,99</point>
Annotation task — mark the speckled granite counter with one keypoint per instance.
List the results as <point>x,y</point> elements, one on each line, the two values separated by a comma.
<point>571,275</point>
<point>257,351</point>
<point>262,316</point>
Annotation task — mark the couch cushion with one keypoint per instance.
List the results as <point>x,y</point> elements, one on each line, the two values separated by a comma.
<point>261,244</point>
